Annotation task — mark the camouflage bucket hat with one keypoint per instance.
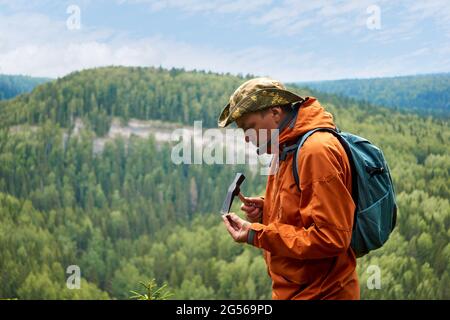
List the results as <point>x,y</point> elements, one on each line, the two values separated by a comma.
<point>255,94</point>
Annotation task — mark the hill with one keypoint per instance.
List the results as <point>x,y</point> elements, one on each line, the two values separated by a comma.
<point>11,86</point>
<point>424,94</point>
<point>128,213</point>
<point>96,95</point>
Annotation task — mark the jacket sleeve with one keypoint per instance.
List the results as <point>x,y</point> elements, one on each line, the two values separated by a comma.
<point>325,199</point>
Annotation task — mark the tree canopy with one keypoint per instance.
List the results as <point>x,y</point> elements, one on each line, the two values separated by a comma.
<point>126,214</point>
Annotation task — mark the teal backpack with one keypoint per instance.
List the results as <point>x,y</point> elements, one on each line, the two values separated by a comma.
<point>372,190</point>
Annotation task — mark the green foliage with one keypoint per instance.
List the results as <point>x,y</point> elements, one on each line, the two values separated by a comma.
<point>128,213</point>
<point>152,292</point>
<point>11,86</point>
<point>425,94</point>
<point>97,95</point>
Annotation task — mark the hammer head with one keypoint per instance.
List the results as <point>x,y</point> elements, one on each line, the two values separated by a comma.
<point>233,190</point>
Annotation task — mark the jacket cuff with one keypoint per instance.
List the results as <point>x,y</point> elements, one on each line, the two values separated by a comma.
<point>252,236</point>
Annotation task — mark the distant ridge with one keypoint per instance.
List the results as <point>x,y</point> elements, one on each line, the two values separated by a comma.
<point>425,94</point>
<point>13,85</point>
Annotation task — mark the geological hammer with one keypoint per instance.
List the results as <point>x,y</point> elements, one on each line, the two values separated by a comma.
<point>233,190</point>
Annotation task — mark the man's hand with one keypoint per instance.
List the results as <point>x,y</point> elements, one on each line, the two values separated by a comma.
<point>238,228</point>
<point>253,208</point>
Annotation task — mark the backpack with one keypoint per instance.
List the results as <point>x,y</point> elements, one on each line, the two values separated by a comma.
<point>372,189</point>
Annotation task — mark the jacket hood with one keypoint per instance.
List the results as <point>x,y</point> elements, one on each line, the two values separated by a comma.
<point>310,116</point>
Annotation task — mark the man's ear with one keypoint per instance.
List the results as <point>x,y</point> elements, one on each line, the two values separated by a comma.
<point>277,114</point>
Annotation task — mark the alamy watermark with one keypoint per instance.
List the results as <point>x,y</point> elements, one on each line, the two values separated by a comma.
<point>73,22</point>
<point>74,279</point>
<point>373,22</point>
<point>226,146</point>
<point>374,280</point>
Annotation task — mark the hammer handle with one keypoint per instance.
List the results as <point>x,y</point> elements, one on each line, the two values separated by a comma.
<point>244,201</point>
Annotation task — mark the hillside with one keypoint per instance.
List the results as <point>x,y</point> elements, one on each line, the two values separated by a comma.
<point>142,93</point>
<point>127,213</point>
<point>11,86</point>
<point>424,94</point>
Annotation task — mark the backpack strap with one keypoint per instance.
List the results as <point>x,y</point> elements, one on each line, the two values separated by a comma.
<point>345,145</point>
<point>295,147</point>
<point>336,132</point>
<point>298,146</point>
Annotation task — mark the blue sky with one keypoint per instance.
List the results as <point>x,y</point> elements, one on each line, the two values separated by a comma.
<point>288,40</point>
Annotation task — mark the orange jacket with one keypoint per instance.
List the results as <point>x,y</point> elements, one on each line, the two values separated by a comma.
<point>306,234</point>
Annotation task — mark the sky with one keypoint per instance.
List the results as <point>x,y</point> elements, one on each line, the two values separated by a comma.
<point>285,39</point>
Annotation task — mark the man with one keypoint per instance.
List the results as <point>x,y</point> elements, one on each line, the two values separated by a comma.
<point>304,232</point>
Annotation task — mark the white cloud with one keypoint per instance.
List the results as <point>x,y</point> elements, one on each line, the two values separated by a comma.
<point>288,17</point>
<point>36,45</point>
<point>201,6</point>
<point>293,17</point>
<point>46,48</point>
<point>406,20</point>
<point>330,16</point>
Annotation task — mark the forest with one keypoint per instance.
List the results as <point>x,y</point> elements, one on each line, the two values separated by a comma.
<point>11,86</point>
<point>423,94</point>
<point>128,214</point>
